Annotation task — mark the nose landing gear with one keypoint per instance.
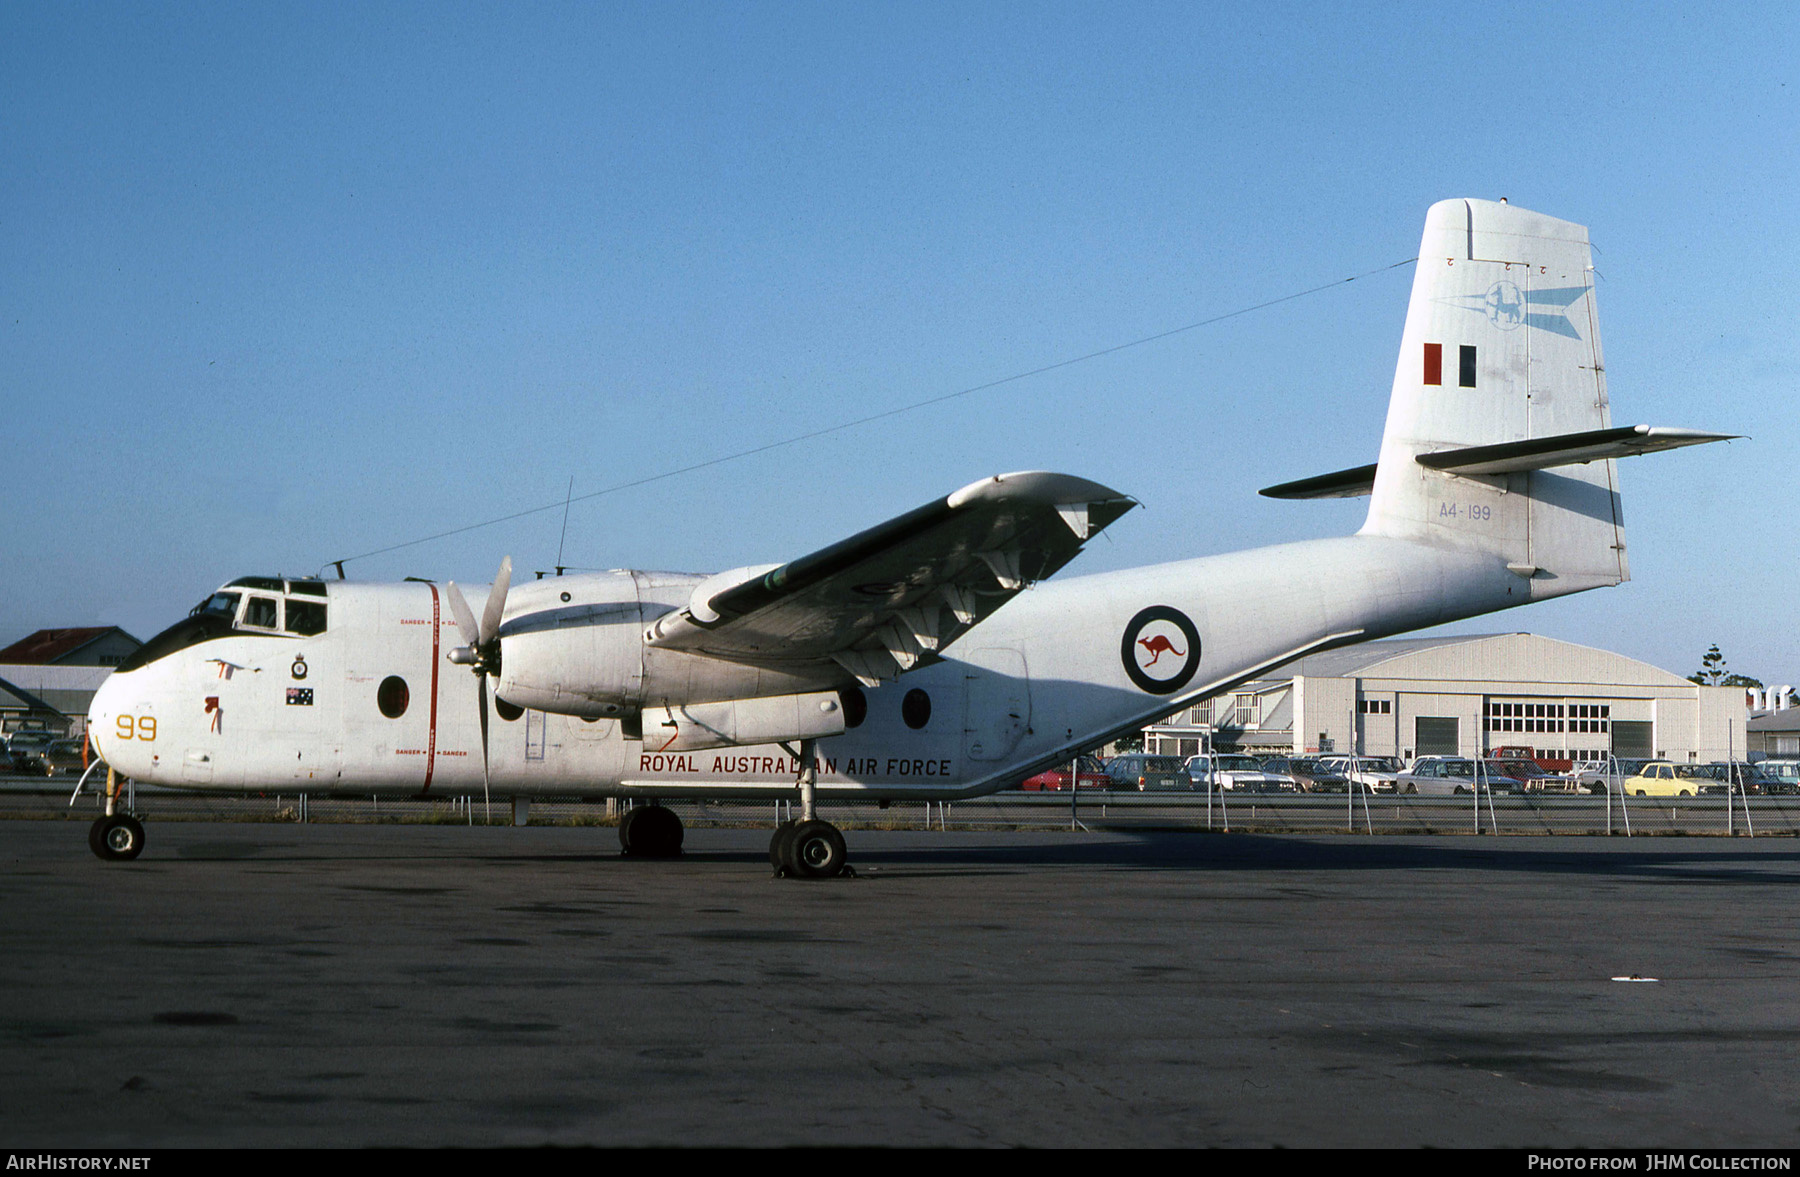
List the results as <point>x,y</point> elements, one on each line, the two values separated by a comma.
<point>115,837</point>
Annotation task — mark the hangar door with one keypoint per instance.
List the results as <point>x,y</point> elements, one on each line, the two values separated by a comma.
<point>1435,736</point>
<point>1632,739</point>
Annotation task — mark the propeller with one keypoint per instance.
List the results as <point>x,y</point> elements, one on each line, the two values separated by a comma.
<point>482,653</point>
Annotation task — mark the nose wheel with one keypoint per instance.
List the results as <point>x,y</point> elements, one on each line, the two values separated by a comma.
<point>117,838</point>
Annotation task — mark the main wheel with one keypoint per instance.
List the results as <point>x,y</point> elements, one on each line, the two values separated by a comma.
<point>816,850</point>
<point>779,845</point>
<point>650,832</point>
<point>116,839</point>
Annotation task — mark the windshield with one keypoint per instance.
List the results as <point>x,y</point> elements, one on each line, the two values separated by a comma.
<point>224,604</point>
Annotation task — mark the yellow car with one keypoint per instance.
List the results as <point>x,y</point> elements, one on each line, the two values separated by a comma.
<point>1659,778</point>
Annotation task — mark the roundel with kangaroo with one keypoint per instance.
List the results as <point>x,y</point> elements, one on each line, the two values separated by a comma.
<point>1160,649</point>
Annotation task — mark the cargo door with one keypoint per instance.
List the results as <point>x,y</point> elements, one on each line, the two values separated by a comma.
<point>997,708</point>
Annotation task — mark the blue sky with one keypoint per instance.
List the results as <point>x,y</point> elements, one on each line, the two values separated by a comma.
<point>284,284</point>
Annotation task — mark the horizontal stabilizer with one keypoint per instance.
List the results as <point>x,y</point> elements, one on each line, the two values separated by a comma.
<point>1566,449</point>
<point>1340,484</point>
<point>1508,457</point>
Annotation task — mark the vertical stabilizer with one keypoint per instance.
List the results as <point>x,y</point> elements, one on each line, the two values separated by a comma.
<point>1502,345</point>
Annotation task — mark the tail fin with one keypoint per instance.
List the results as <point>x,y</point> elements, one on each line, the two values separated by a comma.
<point>1502,345</point>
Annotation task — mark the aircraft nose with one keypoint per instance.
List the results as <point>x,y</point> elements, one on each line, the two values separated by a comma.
<point>102,712</point>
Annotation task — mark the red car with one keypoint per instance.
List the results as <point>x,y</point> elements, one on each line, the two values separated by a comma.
<point>1089,775</point>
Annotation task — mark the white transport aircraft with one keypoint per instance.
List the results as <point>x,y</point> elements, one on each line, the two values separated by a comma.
<point>924,658</point>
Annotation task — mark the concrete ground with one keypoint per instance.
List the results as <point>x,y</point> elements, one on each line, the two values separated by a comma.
<point>265,985</point>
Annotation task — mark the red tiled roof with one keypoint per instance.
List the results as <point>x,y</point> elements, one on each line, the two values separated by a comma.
<point>47,645</point>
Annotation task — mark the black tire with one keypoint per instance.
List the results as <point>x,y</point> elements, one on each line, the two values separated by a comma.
<point>1461,791</point>
<point>650,832</point>
<point>117,839</point>
<point>816,850</point>
<point>779,844</point>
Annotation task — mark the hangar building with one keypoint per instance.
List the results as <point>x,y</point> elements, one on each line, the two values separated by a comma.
<point>1464,695</point>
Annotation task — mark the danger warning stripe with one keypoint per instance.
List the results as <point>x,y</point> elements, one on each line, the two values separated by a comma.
<point>431,732</point>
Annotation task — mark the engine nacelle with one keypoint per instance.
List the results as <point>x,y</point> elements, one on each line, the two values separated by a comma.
<point>574,645</point>
<point>734,722</point>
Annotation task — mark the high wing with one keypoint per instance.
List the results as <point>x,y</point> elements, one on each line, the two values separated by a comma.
<point>889,598</point>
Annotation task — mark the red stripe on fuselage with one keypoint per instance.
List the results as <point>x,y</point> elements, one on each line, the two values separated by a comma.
<point>431,734</point>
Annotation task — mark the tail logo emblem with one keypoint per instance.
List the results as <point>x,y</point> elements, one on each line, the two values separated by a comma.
<point>1509,308</point>
<point>1160,649</point>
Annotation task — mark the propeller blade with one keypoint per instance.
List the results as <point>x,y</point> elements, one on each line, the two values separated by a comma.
<point>487,803</point>
<point>496,602</point>
<point>465,617</point>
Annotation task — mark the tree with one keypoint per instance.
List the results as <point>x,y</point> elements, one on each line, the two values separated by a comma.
<point>1713,672</point>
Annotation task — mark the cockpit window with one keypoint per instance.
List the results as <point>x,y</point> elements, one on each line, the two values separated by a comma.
<point>262,612</point>
<point>218,616</point>
<point>224,604</point>
<point>305,617</point>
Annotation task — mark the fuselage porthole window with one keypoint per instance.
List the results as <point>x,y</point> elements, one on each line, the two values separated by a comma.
<point>392,696</point>
<point>856,705</point>
<point>915,709</point>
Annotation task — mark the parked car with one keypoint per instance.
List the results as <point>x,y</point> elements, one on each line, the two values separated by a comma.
<point>1712,778</point>
<point>1592,775</point>
<point>1660,778</point>
<point>1375,773</point>
<point>1534,777</point>
<point>1785,773</point>
<point>22,749</point>
<point>1089,774</point>
<point>1235,771</point>
<point>58,756</point>
<point>1140,770</point>
<point>1442,776</point>
<point>1309,775</point>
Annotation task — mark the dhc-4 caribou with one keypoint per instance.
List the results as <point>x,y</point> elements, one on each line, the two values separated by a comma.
<point>930,657</point>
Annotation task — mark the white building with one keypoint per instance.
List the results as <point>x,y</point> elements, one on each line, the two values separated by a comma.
<point>1463,696</point>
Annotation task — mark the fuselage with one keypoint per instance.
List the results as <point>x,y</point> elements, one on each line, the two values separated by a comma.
<point>370,704</point>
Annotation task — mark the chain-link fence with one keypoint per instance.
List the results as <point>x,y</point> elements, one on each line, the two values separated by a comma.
<point>1263,813</point>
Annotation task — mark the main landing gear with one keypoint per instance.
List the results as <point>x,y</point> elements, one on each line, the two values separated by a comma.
<point>808,848</point>
<point>115,837</point>
<point>652,831</point>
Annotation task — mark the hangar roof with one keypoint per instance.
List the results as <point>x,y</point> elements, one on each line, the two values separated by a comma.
<point>1499,657</point>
